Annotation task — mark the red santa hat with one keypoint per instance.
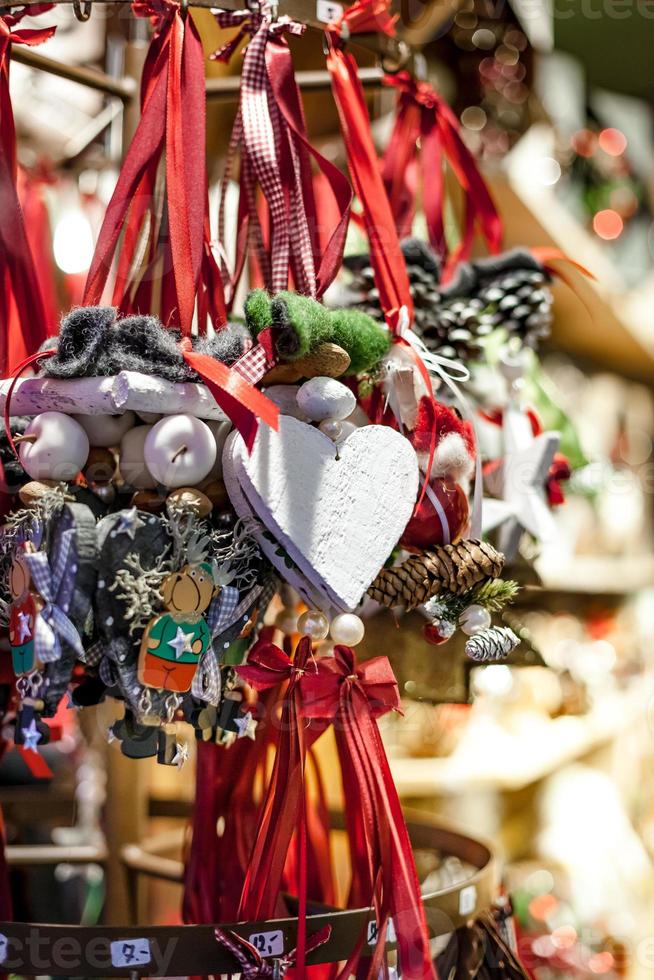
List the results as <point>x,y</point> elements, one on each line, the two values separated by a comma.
<point>454,454</point>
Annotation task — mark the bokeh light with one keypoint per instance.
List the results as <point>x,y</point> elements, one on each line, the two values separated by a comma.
<point>608,224</point>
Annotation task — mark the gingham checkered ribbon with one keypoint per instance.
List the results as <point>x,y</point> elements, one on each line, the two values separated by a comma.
<point>52,622</point>
<point>255,363</point>
<point>206,680</point>
<point>271,156</point>
<point>221,612</point>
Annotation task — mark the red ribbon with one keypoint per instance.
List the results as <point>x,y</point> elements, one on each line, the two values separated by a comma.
<point>244,404</point>
<point>165,238</point>
<point>426,131</point>
<point>353,696</point>
<point>283,815</point>
<point>225,796</point>
<point>385,253</point>
<point>22,311</point>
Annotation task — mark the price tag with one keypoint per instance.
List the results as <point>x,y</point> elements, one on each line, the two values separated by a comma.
<point>467,900</point>
<point>130,952</point>
<point>4,947</point>
<point>328,11</point>
<point>268,943</point>
<point>373,932</point>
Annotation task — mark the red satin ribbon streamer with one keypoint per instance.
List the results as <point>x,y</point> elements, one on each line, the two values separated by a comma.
<point>166,237</point>
<point>225,795</point>
<point>281,229</point>
<point>21,305</point>
<point>283,815</point>
<point>244,404</point>
<point>353,696</point>
<point>426,131</point>
<point>385,253</point>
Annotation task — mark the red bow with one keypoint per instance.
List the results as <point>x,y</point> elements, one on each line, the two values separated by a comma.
<point>23,325</point>
<point>426,131</point>
<point>383,870</point>
<point>164,241</point>
<point>340,678</point>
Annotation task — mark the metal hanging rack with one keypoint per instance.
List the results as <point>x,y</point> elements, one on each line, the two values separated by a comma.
<point>393,53</point>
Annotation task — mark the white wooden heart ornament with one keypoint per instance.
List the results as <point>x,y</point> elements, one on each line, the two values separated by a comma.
<point>338,518</point>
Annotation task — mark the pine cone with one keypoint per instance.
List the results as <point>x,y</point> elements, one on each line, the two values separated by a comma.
<point>451,567</point>
<point>509,291</point>
<point>493,644</point>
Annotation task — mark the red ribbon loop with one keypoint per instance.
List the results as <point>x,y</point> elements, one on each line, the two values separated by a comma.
<point>426,131</point>
<point>385,254</point>
<point>166,233</point>
<point>23,324</point>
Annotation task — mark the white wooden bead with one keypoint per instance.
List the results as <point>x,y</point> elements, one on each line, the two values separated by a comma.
<point>106,430</point>
<point>325,398</point>
<point>58,451</point>
<point>131,461</point>
<point>285,398</point>
<point>180,451</point>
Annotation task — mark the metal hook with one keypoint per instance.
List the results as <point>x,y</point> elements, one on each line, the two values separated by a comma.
<point>82,13</point>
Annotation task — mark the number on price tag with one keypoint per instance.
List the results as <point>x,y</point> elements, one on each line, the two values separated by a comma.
<point>373,932</point>
<point>327,11</point>
<point>268,943</point>
<point>4,947</point>
<point>467,900</point>
<point>130,952</point>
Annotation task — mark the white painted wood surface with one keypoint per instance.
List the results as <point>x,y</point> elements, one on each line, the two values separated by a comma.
<point>110,396</point>
<point>338,518</point>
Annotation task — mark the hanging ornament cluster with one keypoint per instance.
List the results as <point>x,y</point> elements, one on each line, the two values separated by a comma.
<point>172,474</point>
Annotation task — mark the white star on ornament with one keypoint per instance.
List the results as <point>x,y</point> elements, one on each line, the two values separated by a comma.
<point>31,736</point>
<point>520,482</point>
<point>181,755</point>
<point>128,522</point>
<point>247,726</point>
<point>181,643</point>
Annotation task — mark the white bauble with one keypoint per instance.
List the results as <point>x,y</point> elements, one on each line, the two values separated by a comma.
<point>58,450</point>
<point>106,430</point>
<point>474,619</point>
<point>132,459</point>
<point>347,629</point>
<point>180,451</point>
